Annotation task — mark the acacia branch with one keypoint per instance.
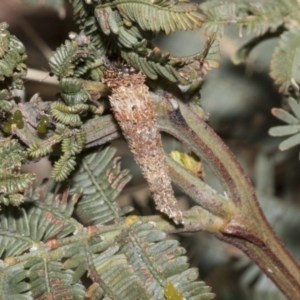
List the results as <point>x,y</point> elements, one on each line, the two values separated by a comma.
<point>237,220</point>
<point>247,228</point>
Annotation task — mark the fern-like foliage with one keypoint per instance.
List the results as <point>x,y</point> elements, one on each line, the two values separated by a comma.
<point>116,278</point>
<point>77,57</point>
<point>158,261</point>
<point>257,17</point>
<point>125,26</point>
<point>12,283</point>
<point>44,217</point>
<point>61,61</point>
<point>264,20</point>
<point>72,144</point>
<point>101,180</point>
<point>84,14</point>
<point>54,283</point>
<point>23,228</point>
<point>12,57</point>
<point>68,115</point>
<point>169,17</point>
<point>286,60</point>
<point>292,128</point>
<point>47,250</point>
<point>13,183</point>
<point>139,265</point>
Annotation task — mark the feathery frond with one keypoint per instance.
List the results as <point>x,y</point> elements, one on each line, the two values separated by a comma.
<point>293,127</point>
<point>257,17</point>
<point>102,180</point>
<point>48,280</point>
<point>286,60</point>
<point>150,16</point>
<point>12,57</point>
<point>158,261</point>
<point>23,228</point>
<point>13,284</point>
<point>62,60</point>
<point>12,183</point>
<point>116,277</point>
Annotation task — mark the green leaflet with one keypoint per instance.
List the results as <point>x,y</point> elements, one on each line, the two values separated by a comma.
<point>286,60</point>
<point>102,180</point>
<point>62,61</point>
<point>23,228</point>
<point>125,27</point>
<point>70,147</point>
<point>48,280</point>
<point>72,91</point>
<point>159,18</point>
<point>284,130</point>
<point>12,57</point>
<point>285,116</point>
<point>158,261</point>
<point>293,127</point>
<point>13,183</point>
<point>84,14</point>
<point>257,17</point>
<point>12,283</point>
<point>116,277</point>
<point>137,262</point>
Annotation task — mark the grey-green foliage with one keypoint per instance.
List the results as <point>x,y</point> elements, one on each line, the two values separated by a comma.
<point>264,20</point>
<point>124,29</point>
<point>47,250</point>
<point>128,27</point>
<point>293,125</point>
<point>12,71</point>
<point>257,16</point>
<point>12,182</point>
<point>101,180</point>
<point>164,262</point>
<point>12,57</point>
<point>286,60</point>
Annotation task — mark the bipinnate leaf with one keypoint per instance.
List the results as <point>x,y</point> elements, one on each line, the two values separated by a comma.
<point>23,228</point>
<point>62,60</point>
<point>285,64</point>
<point>12,183</point>
<point>48,280</point>
<point>293,127</point>
<point>101,180</point>
<point>116,277</point>
<point>157,18</point>
<point>257,17</point>
<point>12,283</point>
<point>158,261</point>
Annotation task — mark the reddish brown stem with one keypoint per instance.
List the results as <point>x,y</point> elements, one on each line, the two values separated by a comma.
<point>248,228</point>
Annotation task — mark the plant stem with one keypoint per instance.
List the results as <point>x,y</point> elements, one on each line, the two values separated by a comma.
<point>248,228</point>
<point>240,221</point>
